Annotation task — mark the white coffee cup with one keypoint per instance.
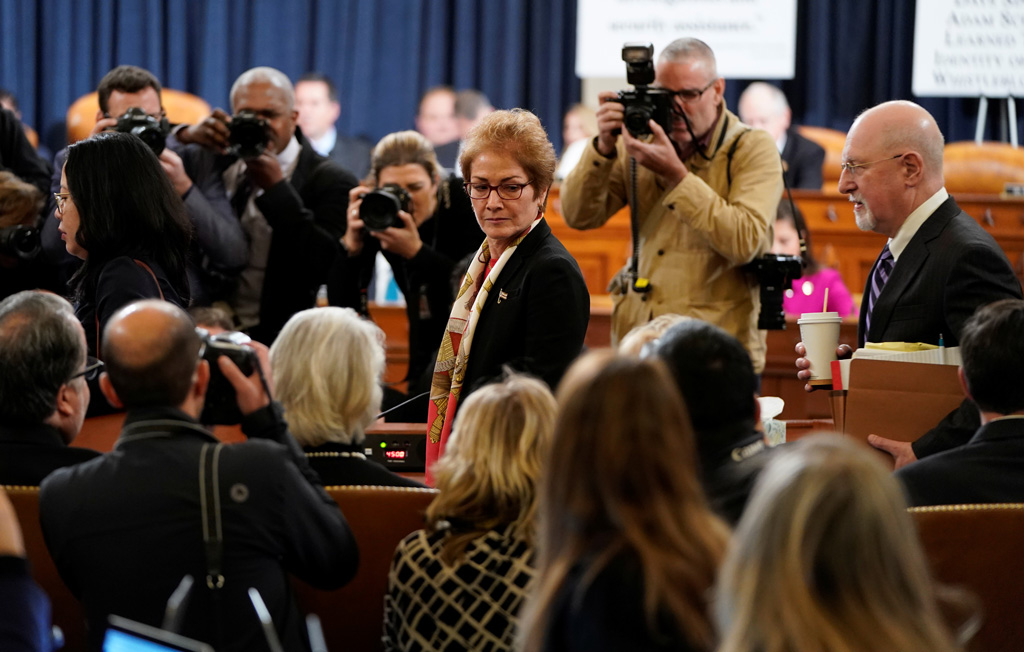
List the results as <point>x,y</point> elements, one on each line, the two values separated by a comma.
<point>820,334</point>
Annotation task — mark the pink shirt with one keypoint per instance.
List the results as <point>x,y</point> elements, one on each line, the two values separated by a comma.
<point>808,292</point>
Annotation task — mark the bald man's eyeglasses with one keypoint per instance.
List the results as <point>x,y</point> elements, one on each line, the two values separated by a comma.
<point>852,168</point>
<point>92,370</point>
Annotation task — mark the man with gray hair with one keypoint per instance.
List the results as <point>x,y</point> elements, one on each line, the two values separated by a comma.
<point>43,387</point>
<point>290,200</point>
<point>765,107</point>
<point>706,195</point>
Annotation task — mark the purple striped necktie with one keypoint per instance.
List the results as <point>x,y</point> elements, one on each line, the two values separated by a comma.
<point>882,272</point>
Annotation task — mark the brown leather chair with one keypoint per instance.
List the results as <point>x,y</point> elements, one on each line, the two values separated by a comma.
<point>833,142</point>
<point>380,517</point>
<point>981,548</point>
<point>982,169</point>
<point>67,612</point>
<point>181,107</point>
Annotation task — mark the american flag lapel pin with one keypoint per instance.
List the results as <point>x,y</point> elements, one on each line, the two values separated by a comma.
<point>502,295</point>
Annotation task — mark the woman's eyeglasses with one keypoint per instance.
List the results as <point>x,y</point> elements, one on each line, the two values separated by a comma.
<point>507,191</point>
<point>62,199</point>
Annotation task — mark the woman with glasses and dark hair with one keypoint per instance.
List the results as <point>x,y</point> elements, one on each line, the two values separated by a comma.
<point>523,302</point>
<point>435,231</point>
<point>119,213</point>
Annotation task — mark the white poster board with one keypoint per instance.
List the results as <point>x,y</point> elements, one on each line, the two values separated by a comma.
<point>968,48</point>
<point>752,39</point>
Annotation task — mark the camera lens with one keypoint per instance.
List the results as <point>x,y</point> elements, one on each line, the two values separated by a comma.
<point>636,118</point>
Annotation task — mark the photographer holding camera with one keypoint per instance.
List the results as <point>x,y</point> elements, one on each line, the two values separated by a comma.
<point>290,200</point>
<point>423,223</point>
<point>706,190</point>
<point>129,101</point>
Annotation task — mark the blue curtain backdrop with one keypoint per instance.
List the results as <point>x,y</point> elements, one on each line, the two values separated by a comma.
<point>384,53</point>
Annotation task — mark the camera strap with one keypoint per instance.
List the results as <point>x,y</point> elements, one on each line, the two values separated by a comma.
<point>642,285</point>
<point>213,532</point>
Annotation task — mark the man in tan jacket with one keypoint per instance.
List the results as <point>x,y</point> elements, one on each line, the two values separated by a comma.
<point>706,199</point>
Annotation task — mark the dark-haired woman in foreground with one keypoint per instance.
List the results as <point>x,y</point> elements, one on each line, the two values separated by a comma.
<point>628,546</point>
<point>121,216</point>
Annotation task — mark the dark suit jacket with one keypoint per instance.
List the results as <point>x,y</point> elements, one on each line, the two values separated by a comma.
<point>18,156</point>
<point>30,453</point>
<point>353,155</point>
<point>535,317</point>
<point>123,529</point>
<point>307,214</point>
<point>804,159</point>
<point>448,156</point>
<point>950,268</point>
<point>987,469</point>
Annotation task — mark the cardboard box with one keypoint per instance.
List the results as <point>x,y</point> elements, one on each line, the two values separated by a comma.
<point>896,400</point>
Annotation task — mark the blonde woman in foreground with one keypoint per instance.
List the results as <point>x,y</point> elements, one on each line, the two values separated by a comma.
<point>628,546</point>
<point>459,583</point>
<point>826,558</point>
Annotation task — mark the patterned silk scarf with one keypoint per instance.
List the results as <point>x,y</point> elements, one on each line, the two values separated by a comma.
<point>453,356</point>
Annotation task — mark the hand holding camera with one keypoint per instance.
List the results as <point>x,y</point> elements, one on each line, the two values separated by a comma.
<point>238,384</point>
<point>212,133</point>
<point>383,213</point>
<point>250,392</point>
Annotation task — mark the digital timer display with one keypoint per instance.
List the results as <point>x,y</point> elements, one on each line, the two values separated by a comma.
<point>396,454</point>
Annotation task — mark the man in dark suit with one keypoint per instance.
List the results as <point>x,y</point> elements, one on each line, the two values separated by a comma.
<point>987,468</point>
<point>42,387</point>
<point>290,200</point>
<point>316,98</point>
<point>124,528</point>
<point>939,265</point>
<point>765,106</point>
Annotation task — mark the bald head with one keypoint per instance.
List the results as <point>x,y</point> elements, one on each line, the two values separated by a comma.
<point>906,127</point>
<point>765,107</point>
<point>893,154</point>
<point>151,350</point>
<point>272,77</point>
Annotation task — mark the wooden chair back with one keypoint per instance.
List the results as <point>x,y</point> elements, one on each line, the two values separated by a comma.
<point>380,517</point>
<point>982,169</point>
<point>979,548</point>
<point>66,610</point>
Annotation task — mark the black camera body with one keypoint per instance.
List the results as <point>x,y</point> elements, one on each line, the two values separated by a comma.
<point>249,134</point>
<point>221,406</point>
<point>775,273</point>
<point>152,131</point>
<point>20,242</point>
<point>643,103</point>
<point>380,207</point>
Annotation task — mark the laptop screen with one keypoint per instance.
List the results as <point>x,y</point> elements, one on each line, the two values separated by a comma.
<point>125,635</point>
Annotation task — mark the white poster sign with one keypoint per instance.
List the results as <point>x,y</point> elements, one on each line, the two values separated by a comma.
<point>969,48</point>
<point>752,39</point>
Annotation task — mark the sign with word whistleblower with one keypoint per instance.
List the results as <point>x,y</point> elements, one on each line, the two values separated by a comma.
<point>752,39</point>
<point>968,48</point>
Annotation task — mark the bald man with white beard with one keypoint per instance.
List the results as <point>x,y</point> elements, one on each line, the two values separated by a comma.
<point>938,266</point>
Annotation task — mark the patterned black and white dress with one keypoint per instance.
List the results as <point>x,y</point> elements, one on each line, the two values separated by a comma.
<point>472,605</point>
